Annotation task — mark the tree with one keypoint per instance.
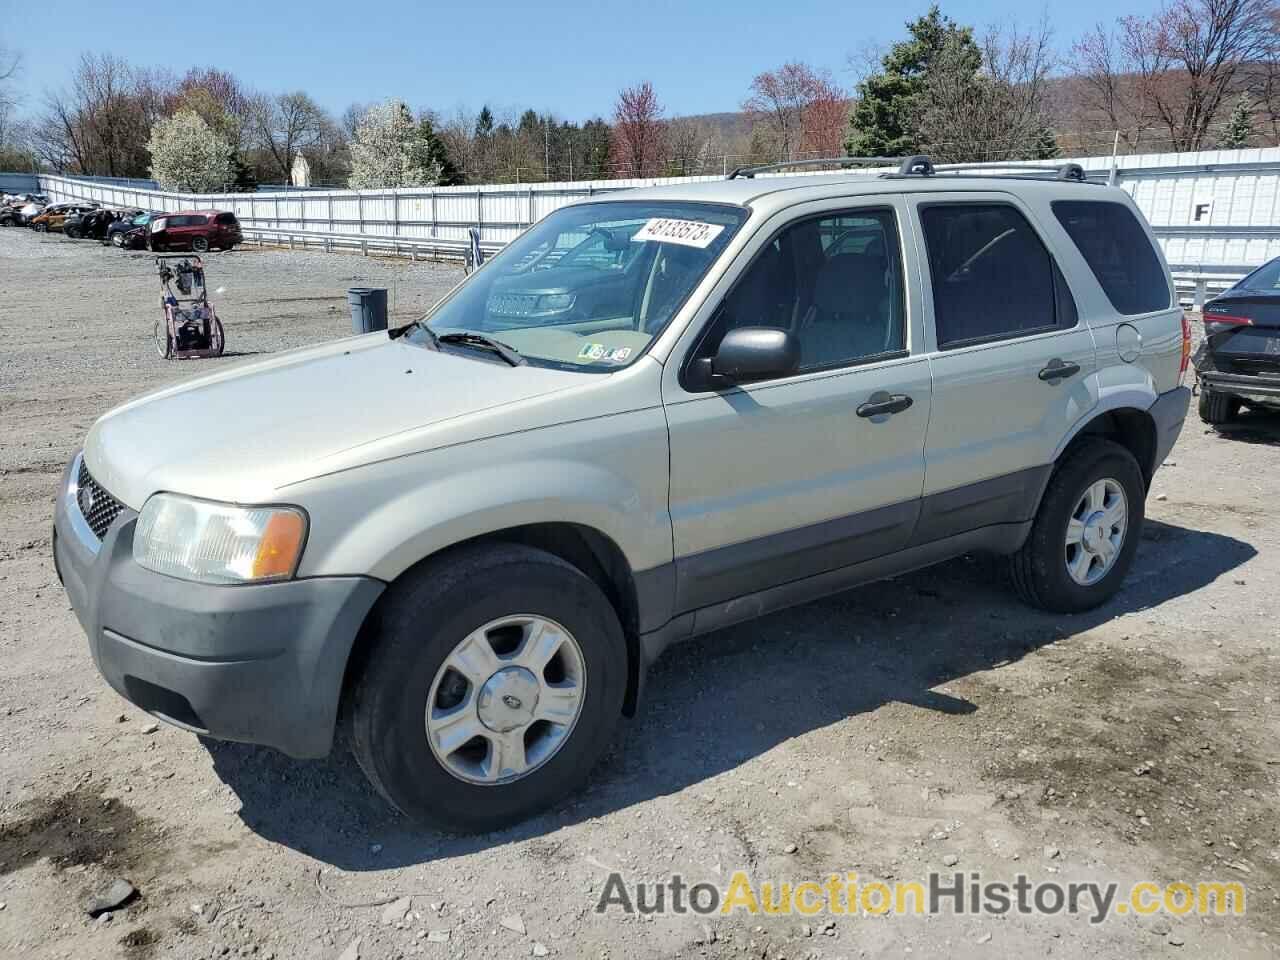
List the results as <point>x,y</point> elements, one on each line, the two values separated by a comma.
<point>438,153</point>
<point>996,111</point>
<point>1177,69</point>
<point>637,146</point>
<point>1239,127</point>
<point>100,125</point>
<point>795,103</point>
<point>281,126</point>
<point>390,149</point>
<point>188,155</point>
<point>883,117</point>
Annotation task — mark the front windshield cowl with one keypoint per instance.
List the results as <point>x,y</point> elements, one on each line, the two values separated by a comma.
<point>590,286</point>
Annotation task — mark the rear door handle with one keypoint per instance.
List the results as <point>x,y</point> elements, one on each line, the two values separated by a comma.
<point>1056,370</point>
<point>881,403</point>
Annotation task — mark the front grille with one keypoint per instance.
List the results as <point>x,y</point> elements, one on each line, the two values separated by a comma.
<point>100,508</point>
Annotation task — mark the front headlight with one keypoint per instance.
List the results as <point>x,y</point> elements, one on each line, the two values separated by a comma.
<point>218,542</point>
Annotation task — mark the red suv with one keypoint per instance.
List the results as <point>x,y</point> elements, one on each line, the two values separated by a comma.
<point>197,230</point>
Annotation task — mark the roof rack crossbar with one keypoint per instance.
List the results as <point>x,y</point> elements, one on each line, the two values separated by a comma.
<point>749,172</point>
<point>1061,171</point>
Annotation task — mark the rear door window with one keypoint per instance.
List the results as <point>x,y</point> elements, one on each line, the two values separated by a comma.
<point>1118,252</point>
<point>991,275</point>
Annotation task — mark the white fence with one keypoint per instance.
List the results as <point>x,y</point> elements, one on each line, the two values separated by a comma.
<point>1216,213</point>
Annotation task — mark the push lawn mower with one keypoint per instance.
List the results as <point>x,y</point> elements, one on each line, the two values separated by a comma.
<point>190,328</point>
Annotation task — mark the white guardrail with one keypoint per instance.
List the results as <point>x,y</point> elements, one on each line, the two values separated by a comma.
<point>1215,213</point>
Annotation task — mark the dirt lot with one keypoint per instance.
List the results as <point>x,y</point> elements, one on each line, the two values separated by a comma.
<point>930,723</point>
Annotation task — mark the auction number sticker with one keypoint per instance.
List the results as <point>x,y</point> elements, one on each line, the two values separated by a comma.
<point>689,233</point>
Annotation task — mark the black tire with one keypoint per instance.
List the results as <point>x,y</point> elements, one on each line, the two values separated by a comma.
<point>199,244</point>
<point>219,337</point>
<point>72,233</point>
<point>160,337</point>
<point>421,620</point>
<point>1216,408</point>
<point>42,228</point>
<point>1039,569</point>
<point>117,239</point>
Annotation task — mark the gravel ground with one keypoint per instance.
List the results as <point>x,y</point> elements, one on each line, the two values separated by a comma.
<point>928,723</point>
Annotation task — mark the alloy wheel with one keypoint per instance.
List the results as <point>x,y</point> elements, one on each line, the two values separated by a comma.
<point>1096,531</point>
<point>506,699</point>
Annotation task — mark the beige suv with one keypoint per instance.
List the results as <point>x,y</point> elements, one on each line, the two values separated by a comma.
<point>652,415</point>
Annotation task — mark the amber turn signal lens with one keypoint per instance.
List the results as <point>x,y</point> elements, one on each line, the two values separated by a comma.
<point>280,545</point>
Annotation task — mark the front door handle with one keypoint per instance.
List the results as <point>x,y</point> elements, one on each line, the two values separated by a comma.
<point>881,403</point>
<point>1056,369</point>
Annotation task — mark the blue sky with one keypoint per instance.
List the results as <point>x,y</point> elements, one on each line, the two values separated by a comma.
<point>569,58</point>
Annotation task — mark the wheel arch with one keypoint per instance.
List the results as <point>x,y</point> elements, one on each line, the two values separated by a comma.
<point>1124,418</point>
<point>589,550</point>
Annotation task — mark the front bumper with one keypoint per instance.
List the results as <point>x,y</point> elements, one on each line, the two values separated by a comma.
<point>258,663</point>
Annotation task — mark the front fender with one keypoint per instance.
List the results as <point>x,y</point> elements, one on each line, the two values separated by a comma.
<point>610,476</point>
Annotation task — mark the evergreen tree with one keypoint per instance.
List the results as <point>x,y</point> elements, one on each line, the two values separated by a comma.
<point>1046,145</point>
<point>1239,126</point>
<point>438,154</point>
<point>881,123</point>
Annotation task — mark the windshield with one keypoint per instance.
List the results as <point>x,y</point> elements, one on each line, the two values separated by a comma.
<point>590,286</point>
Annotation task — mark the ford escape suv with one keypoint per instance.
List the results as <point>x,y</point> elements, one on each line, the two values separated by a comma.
<point>652,415</point>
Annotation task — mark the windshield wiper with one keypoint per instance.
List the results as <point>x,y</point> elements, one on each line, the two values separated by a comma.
<point>509,354</point>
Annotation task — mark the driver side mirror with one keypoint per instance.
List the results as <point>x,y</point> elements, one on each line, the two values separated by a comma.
<point>746,354</point>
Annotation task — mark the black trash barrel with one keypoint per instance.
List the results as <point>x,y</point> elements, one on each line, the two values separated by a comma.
<point>368,309</point>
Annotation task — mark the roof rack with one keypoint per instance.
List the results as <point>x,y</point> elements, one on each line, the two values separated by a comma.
<point>921,166</point>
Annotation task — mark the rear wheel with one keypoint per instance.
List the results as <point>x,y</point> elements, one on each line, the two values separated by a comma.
<point>492,688</point>
<point>163,342</point>
<point>1217,407</point>
<point>42,228</point>
<point>72,233</point>
<point>217,337</point>
<point>1086,531</point>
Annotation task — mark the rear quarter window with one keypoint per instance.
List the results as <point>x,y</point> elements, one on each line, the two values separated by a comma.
<point>226,219</point>
<point>1118,252</point>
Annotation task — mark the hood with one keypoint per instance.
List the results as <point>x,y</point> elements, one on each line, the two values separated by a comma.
<point>243,433</point>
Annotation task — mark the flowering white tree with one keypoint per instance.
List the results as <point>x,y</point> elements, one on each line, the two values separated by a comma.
<point>391,150</point>
<point>187,155</point>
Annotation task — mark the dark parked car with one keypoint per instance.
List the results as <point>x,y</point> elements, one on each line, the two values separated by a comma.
<point>1238,361</point>
<point>89,224</point>
<point>116,231</point>
<point>197,230</point>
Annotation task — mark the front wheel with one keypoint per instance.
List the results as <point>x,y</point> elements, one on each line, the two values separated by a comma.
<point>492,688</point>
<point>200,244</point>
<point>1086,531</point>
<point>42,228</point>
<point>117,240</point>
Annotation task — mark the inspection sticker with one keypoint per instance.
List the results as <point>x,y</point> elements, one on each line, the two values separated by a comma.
<point>689,233</point>
<point>592,351</point>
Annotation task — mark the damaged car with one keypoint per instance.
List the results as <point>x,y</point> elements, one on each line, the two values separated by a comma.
<point>1238,361</point>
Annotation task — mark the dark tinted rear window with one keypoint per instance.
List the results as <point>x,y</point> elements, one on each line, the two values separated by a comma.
<point>228,219</point>
<point>1118,252</point>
